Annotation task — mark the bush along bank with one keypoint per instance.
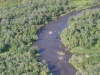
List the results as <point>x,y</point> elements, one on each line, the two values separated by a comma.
<point>82,36</point>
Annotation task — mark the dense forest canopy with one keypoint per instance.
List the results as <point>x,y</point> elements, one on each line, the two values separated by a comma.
<point>19,22</point>
<point>82,36</point>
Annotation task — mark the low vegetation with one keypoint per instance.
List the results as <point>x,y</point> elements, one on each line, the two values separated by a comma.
<point>82,37</point>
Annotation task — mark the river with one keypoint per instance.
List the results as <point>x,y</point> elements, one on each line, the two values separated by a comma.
<point>52,50</point>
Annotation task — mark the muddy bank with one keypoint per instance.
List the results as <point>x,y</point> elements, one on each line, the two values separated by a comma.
<point>51,49</point>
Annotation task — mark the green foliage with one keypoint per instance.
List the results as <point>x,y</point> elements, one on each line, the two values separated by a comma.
<point>19,22</point>
<point>9,3</point>
<point>87,3</point>
<point>82,29</point>
<point>82,36</point>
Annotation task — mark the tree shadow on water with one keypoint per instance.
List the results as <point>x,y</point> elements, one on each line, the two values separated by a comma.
<point>41,50</point>
<point>53,69</point>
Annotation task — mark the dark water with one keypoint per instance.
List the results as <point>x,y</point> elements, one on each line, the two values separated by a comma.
<point>49,44</point>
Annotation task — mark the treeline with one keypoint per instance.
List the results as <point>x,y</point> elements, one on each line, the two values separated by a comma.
<point>22,62</point>
<point>82,37</point>
<point>18,26</point>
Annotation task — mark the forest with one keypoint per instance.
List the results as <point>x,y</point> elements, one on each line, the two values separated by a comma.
<point>19,22</point>
<point>82,37</point>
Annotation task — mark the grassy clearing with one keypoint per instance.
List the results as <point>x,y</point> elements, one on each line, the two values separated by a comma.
<point>8,3</point>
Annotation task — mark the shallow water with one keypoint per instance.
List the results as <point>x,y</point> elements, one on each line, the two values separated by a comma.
<point>49,44</point>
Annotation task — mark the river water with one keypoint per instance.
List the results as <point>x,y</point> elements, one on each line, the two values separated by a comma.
<point>50,46</point>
